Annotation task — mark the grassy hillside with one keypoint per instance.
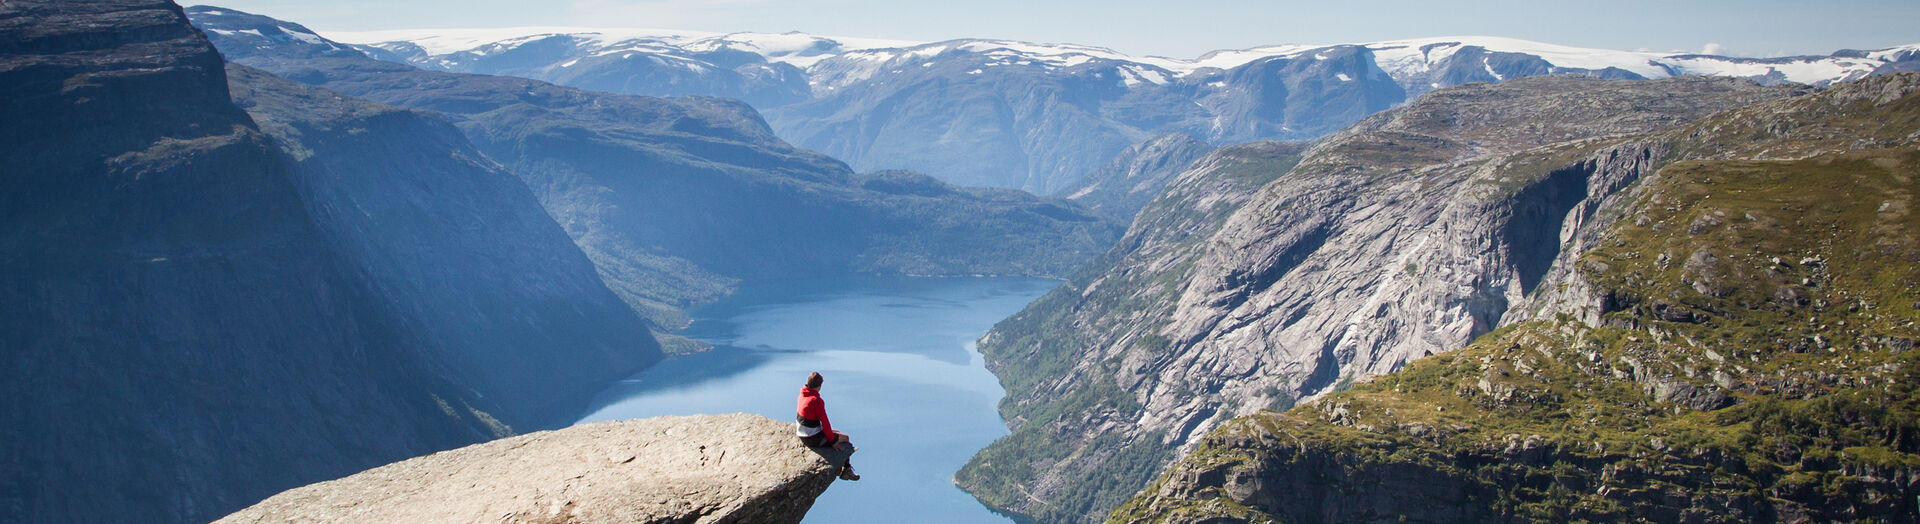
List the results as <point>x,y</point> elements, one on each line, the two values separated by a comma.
<point>1750,358</point>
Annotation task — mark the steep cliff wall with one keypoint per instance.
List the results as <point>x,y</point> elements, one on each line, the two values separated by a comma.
<point>1410,233</point>
<point>465,260</point>
<point>1738,347</point>
<point>178,339</point>
<point>1124,185</point>
<point>202,306</point>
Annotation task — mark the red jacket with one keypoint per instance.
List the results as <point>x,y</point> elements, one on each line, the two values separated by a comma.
<point>814,407</point>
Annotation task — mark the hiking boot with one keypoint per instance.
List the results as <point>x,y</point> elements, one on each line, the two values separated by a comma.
<point>849,475</point>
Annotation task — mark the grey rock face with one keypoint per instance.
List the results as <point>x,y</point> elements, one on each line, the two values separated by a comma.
<point>1049,354</point>
<point>1125,184</point>
<point>696,469</point>
<point>1410,233</point>
<point>1301,466</point>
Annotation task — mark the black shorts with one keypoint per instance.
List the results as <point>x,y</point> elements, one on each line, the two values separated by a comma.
<point>818,440</point>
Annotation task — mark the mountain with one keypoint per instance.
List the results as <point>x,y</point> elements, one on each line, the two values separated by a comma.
<point>677,200</point>
<point>1735,345</point>
<point>762,69</point>
<point>1070,451</point>
<point>1124,185</point>
<point>1265,274</point>
<point>204,303</point>
<point>465,258</point>
<point>1041,116</point>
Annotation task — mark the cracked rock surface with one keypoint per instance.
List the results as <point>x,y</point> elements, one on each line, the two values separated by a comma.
<point>704,468</point>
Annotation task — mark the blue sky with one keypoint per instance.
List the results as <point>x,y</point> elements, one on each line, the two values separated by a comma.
<point>1748,28</point>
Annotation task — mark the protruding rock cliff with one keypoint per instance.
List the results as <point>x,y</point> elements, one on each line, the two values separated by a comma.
<point>698,469</point>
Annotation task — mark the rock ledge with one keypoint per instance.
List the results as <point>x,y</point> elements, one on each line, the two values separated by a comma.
<point>705,468</point>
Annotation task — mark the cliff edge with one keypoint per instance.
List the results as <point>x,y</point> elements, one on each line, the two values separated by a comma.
<point>705,468</point>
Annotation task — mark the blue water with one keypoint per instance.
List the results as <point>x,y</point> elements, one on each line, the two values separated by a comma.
<point>902,378</point>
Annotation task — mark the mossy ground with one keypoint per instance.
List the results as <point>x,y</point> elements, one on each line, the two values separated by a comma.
<point>1787,287</point>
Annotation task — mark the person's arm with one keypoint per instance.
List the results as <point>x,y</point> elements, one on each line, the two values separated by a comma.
<point>825,426</point>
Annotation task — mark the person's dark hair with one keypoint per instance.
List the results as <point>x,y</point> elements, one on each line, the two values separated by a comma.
<point>814,379</point>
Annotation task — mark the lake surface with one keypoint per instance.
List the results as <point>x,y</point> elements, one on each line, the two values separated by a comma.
<point>902,378</point>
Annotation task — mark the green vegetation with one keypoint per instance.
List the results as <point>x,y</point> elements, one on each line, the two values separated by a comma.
<point>1754,357</point>
<point>1108,468</point>
<point>1642,396</point>
<point>1054,436</point>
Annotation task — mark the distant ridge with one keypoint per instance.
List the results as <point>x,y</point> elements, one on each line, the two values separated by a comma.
<point>1399,58</point>
<point>1038,116</point>
<point>1043,116</point>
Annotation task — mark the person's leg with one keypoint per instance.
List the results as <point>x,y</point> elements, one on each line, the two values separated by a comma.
<point>846,469</point>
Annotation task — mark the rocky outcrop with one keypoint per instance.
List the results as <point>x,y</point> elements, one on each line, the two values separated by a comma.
<point>1410,233</point>
<point>706,469</point>
<point>1125,184</point>
<point>1739,348</point>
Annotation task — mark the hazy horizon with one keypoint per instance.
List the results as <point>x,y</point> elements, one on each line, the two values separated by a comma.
<point>1762,28</point>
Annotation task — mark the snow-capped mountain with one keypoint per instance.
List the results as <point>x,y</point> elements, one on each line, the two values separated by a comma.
<point>1407,61</point>
<point>1040,116</point>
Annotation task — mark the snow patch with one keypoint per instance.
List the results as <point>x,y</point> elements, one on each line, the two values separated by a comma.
<point>230,32</point>
<point>302,36</point>
<point>1815,71</point>
<point>1403,58</point>
<point>836,61</point>
<point>449,41</point>
<point>1894,53</point>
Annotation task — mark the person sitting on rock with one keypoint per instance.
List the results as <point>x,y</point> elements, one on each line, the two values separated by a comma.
<point>811,425</point>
